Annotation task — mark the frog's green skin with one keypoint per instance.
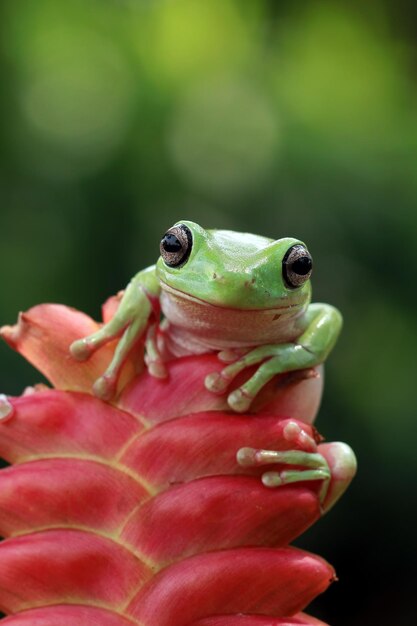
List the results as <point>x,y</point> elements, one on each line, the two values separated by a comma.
<point>229,297</point>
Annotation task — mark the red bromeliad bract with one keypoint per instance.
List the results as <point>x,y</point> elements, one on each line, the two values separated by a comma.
<point>138,512</point>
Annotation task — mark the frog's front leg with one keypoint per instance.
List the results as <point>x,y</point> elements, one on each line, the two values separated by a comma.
<point>334,464</point>
<point>129,322</point>
<point>323,324</point>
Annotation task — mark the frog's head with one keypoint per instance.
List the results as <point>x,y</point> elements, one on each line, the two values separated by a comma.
<point>234,270</point>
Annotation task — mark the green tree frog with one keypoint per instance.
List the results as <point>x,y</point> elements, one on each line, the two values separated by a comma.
<point>243,296</point>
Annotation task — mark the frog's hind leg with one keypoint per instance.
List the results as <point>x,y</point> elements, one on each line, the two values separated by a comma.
<point>316,464</point>
<point>334,464</point>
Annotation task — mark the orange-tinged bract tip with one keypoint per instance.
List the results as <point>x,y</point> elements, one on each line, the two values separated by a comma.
<point>10,334</point>
<point>44,334</point>
<point>150,511</point>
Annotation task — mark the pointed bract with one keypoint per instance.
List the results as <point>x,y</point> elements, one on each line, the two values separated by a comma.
<point>140,513</point>
<point>66,492</point>
<point>43,334</point>
<point>277,582</point>
<point>67,566</point>
<point>63,423</point>
<point>219,512</point>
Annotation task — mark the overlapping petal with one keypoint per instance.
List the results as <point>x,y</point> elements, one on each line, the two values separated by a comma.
<point>276,582</point>
<point>294,395</point>
<point>139,512</point>
<point>59,615</point>
<point>258,620</point>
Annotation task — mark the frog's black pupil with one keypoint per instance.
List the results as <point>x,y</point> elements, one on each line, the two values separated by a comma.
<point>302,265</point>
<point>171,243</point>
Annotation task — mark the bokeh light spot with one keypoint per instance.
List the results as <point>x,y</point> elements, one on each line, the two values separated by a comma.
<point>76,92</point>
<point>224,136</point>
<point>179,40</point>
<point>339,75</point>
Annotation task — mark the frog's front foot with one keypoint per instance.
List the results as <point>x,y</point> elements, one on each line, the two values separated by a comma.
<point>105,387</point>
<point>128,326</point>
<point>239,400</point>
<point>153,359</point>
<point>269,361</point>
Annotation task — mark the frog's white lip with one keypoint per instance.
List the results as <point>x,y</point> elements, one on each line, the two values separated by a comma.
<point>182,294</point>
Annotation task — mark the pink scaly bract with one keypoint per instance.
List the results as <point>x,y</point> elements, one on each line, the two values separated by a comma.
<point>138,513</point>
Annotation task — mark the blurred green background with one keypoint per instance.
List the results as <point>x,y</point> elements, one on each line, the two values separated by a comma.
<point>281,118</point>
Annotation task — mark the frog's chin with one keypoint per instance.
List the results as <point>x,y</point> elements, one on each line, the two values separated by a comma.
<point>206,326</point>
<point>292,305</point>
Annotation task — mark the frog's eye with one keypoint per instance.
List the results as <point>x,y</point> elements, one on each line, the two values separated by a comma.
<point>297,266</point>
<point>176,245</point>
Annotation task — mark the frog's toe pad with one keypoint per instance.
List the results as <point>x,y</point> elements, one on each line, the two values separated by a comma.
<point>81,349</point>
<point>216,383</point>
<point>272,479</point>
<point>246,457</point>
<point>228,356</point>
<point>296,435</point>
<point>105,387</point>
<point>239,400</point>
<point>157,369</point>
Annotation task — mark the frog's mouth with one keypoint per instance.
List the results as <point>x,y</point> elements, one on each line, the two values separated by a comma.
<point>210,326</point>
<point>293,305</point>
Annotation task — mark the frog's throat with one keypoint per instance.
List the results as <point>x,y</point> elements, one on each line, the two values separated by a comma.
<point>195,326</point>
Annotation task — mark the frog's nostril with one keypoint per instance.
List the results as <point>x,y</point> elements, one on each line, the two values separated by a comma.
<point>219,278</point>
